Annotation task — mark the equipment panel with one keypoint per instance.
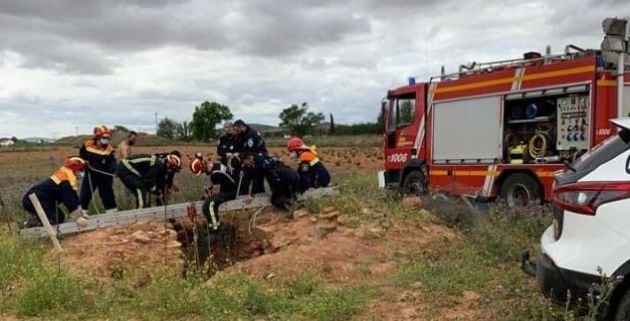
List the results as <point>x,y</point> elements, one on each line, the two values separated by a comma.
<point>572,122</point>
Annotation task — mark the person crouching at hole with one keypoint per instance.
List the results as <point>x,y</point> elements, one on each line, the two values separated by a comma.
<point>283,180</point>
<point>224,184</point>
<point>144,174</point>
<point>60,188</point>
<point>313,173</point>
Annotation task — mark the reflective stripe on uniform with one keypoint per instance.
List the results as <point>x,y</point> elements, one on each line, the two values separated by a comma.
<point>127,163</point>
<point>213,216</point>
<point>140,199</point>
<point>65,174</point>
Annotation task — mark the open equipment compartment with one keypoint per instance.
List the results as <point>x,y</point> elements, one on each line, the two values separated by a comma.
<point>546,126</point>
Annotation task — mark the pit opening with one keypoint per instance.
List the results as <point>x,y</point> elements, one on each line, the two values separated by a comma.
<point>234,241</point>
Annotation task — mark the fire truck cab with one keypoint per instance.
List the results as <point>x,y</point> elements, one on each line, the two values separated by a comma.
<point>500,129</point>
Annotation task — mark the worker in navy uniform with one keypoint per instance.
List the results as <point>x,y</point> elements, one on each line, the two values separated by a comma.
<point>99,154</point>
<point>224,182</point>
<point>251,141</point>
<point>228,147</point>
<point>60,188</point>
<point>144,174</point>
<point>313,173</point>
<point>283,180</point>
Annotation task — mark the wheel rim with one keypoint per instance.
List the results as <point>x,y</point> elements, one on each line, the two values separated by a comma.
<point>414,187</point>
<point>518,195</point>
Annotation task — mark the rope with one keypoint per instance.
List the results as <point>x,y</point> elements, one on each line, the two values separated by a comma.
<point>92,202</point>
<point>252,222</point>
<point>102,172</point>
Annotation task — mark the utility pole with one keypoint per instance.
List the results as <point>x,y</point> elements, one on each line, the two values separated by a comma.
<point>156,123</point>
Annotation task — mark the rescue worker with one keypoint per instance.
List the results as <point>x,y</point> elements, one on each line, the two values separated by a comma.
<point>224,186</point>
<point>144,174</point>
<point>169,183</point>
<point>250,141</point>
<point>60,188</point>
<point>99,154</point>
<point>228,147</point>
<point>282,179</point>
<point>124,148</point>
<point>312,171</point>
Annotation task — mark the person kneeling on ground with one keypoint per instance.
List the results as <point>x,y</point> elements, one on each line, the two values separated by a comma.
<point>223,188</point>
<point>313,173</point>
<point>142,174</point>
<point>283,180</point>
<point>60,188</point>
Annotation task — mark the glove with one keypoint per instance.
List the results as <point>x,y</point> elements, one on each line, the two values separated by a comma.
<point>78,213</point>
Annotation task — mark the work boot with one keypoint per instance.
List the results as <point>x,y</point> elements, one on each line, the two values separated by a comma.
<point>32,222</point>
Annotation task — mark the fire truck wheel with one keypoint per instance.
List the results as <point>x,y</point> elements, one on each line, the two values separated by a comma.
<point>414,184</point>
<point>520,190</point>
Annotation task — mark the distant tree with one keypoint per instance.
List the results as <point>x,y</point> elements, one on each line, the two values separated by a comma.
<point>206,117</point>
<point>121,128</point>
<point>14,139</point>
<point>183,131</point>
<point>332,125</point>
<point>298,120</point>
<point>167,128</point>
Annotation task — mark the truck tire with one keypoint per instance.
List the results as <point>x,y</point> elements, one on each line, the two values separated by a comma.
<point>520,190</point>
<point>414,184</point>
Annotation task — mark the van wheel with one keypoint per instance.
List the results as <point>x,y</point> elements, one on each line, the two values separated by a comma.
<point>520,190</point>
<point>414,184</point>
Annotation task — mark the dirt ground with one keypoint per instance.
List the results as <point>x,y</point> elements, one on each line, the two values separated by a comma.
<point>281,248</point>
<point>276,247</point>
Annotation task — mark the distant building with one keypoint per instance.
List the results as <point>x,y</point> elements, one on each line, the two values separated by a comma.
<point>6,142</point>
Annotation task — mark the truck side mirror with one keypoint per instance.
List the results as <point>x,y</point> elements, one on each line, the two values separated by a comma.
<point>628,165</point>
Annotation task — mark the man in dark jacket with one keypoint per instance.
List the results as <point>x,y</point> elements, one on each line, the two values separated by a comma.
<point>282,179</point>
<point>99,154</point>
<point>142,174</point>
<point>251,141</point>
<point>60,188</point>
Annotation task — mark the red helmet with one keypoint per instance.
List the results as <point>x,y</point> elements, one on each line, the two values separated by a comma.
<point>102,131</point>
<point>197,166</point>
<point>76,164</point>
<point>174,160</point>
<point>294,143</point>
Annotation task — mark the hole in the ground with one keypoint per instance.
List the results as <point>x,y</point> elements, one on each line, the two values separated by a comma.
<point>215,250</point>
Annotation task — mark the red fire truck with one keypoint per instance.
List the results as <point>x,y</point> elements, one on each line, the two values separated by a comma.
<point>500,129</point>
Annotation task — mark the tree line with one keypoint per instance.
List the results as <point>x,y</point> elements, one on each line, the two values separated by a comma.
<point>294,120</point>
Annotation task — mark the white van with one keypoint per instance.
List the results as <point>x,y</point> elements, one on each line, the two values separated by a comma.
<point>591,228</point>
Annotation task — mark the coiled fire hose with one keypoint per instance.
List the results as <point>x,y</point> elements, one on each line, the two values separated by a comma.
<point>538,145</point>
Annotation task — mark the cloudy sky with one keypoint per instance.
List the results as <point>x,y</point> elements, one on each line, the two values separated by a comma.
<point>66,65</point>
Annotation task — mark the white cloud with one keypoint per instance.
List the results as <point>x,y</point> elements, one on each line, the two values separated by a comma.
<point>65,65</point>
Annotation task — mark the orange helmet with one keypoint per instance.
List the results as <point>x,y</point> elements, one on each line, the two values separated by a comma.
<point>102,131</point>
<point>294,143</point>
<point>174,160</point>
<point>197,166</point>
<point>75,163</point>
